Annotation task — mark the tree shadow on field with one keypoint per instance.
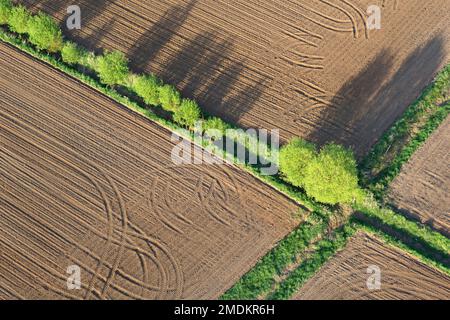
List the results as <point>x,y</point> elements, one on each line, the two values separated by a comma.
<point>158,36</point>
<point>90,9</point>
<point>200,68</point>
<point>369,103</point>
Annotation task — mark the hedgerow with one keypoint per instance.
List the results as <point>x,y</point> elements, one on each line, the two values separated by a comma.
<point>187,114</point>
<point>169,97</point>
<point>71,53</point>
<point>112,68</point>
<point>172,103</point>
<point>147,87</point>
<point>5,10</point>
<point>18,19</point>
<point>44,33</point>
<point>329,176</point>
<point>294,159</point>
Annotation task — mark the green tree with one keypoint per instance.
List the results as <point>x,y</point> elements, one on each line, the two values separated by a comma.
<point>187,114</point>
<point>169,98</point>
<point>18,19</point>
<point>294,159</point>
<point>112,68</point>
<point>45,33</point>
<point>147,87</point>
<point>332,176</point>
<point>215,123</point>
<point>71,53</point>
<point>5,10</point>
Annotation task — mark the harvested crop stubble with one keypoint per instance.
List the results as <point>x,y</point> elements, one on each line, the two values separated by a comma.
<point>85,182</point>
<point>421,189</point>
<point>308,67</point>
<point>402,276</point>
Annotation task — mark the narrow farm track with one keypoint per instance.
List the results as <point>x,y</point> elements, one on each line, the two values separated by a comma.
<point>421,189</point>
<point>310,68</point>
<point>86,182</point>
<point>402,277</point>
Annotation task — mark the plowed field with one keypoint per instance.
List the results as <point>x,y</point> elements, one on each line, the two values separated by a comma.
<point>421,189</point>
<point>310,68</point>
<point>401,275</point>
<point>85,182</point>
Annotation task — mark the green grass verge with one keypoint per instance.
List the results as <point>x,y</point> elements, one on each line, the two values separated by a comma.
<point>397,145</point>
<point>324,250</point>
<point>379,185</point>
<point>260,279</point>
<point>327,248</point>
<point>423,257</point>
<point>403,225</point>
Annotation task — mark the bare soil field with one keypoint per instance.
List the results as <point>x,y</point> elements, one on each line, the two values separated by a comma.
<point>310,68</point>
<point>344,277</point>
<point>86,182</point>
<point>421,189</point>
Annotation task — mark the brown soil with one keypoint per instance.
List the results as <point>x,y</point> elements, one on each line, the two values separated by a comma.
<point>421,189</point>
<point>403,277</point>
<point>86,182</point>
<point>309,68</point>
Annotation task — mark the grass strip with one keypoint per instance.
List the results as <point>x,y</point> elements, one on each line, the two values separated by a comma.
<point>421,234</point>
<point>416,252</point>
<point>325,249</point>
<point>379,185</point>
<point>396,146</point>
<point>260,279</point>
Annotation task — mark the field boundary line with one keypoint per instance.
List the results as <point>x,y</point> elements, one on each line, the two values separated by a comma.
<point>327,248</point>
<point>400,139</point>
<point>273,182</point>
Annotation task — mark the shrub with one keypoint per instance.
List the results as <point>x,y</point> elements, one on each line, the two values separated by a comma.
<point>294,158</point>
<point>169,98</point>
<point>5,11</point>
<point>216,124</point>
<point>18,19</point>
<point>45,33</point>
<point>332,176</point>
<point>147,87</point>
<point>187,114</point>
<point>112,68</point>
<point>72,54</point>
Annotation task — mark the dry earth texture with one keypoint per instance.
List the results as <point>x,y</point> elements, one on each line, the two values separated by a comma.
<point>421,189</point>
<point>310,68</point>
<point>85,182</point>
<point>402,276</point>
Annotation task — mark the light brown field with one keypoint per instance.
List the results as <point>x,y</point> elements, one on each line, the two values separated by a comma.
<point>310,68</point>
<point>84,181</point>
<point>422,187</point>
<point>402,276</point>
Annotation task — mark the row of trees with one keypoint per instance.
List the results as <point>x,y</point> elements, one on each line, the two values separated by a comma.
<point>329,175</point>
<point>111,66</point>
